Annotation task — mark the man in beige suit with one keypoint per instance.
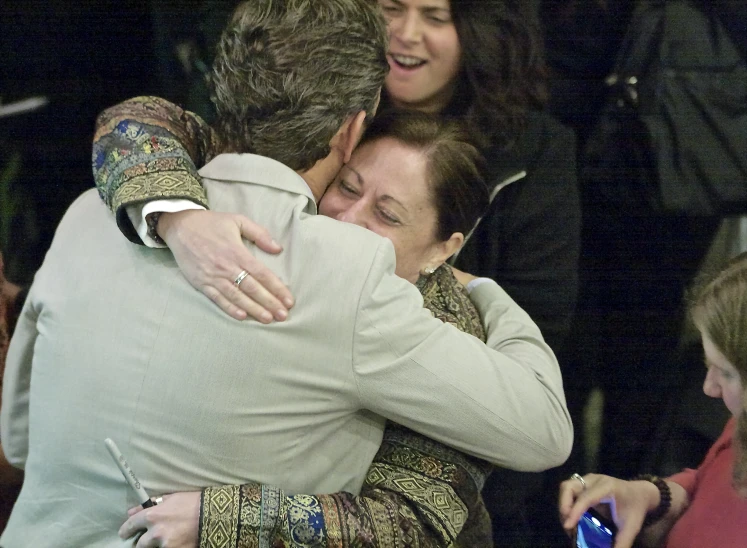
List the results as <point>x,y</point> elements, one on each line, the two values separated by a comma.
<point>113,342</point>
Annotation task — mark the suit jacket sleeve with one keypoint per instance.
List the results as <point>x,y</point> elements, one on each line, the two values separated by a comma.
<point>14,416</point>
<point>503,403</point>
<point>417,491</point>
<point>147,149</point>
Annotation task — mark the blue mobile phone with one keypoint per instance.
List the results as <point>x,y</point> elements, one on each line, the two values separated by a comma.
<point>595,531</point>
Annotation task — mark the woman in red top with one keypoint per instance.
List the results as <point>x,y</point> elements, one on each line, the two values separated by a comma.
<point>699,508</point>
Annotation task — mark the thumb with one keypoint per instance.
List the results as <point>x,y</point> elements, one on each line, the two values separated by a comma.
<point>626,536</point>
<point>259,235</point>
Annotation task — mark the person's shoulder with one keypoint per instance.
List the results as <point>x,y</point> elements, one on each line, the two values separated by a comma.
<point>350,258</point>
<point>343,240</point>
<point>88,208</point>
<point>544,132</point>
<point>544,143</point>
<point>548,151</point>
<point>85,233</point>
<point>544,121</point>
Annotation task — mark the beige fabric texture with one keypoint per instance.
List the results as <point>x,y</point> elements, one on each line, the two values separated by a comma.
<point>113,342</point>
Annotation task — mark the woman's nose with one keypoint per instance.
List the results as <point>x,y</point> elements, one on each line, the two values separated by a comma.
<point>711,387</point>
<point>407,28</point>
<point>354,215</point>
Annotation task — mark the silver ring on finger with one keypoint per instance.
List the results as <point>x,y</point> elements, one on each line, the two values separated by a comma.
<point>579,478</point>
<point>240,278</point>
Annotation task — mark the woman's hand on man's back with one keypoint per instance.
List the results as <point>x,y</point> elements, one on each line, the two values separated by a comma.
<point>210,252</point>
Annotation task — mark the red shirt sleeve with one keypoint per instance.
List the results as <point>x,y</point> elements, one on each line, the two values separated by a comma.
<point>689,478</point>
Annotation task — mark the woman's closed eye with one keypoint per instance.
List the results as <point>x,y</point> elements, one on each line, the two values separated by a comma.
<point>391,9</point>
<point>347,188</point>
<point>388,217</point>
<point>726,374</point>
<point>439,17</point>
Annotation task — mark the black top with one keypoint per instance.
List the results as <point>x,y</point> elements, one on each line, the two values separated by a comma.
<point>529,241</point>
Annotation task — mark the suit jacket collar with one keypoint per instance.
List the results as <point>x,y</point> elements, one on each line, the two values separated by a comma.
<point>258,170</point>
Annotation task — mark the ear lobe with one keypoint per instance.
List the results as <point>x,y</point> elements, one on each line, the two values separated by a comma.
<point>353,134</point>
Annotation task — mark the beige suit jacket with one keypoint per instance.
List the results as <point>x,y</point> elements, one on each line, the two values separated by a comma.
<point>113,342</point>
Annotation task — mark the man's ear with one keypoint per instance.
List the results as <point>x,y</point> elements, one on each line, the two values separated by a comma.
<point>352,131</point>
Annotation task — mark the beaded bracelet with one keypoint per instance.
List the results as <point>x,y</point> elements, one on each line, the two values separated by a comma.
<point>665,498</point>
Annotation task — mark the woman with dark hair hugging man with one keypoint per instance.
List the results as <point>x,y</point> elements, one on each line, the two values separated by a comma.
<point>415,180</point>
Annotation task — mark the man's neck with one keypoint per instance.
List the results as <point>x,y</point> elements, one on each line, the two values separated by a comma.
<point>321,174</point>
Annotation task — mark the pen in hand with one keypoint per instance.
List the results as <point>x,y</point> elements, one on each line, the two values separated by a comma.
<point>129,475</point>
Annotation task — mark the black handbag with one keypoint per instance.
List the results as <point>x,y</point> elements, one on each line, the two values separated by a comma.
<point>672,135</point>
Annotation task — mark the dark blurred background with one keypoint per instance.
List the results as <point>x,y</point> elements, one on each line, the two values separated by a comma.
<point>83,57</point>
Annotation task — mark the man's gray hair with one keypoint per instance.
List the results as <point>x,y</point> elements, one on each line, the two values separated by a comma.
<point>288,73</point>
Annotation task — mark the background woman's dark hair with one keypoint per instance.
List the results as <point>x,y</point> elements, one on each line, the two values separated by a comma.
<point>503,73</point>
<point>459,192</point>
<point>503,68</point>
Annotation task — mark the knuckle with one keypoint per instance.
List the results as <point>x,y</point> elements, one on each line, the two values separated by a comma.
<point>237,297</point>
<point>223,265</point>
<point>263,274</point>
<point>250,286</point>
<point>149,519</point>
<point>212,294</point>
<point>250,261</point>
<point>225,287</point>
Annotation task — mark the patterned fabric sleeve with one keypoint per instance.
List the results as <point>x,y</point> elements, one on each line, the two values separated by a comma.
<point>146,149</point>
<point>417,493</point>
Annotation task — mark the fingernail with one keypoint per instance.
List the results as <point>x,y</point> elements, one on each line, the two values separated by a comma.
<point>288,302</point>
<point>265,317</point>
<point>276,244</point>
<point>281,315</point>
